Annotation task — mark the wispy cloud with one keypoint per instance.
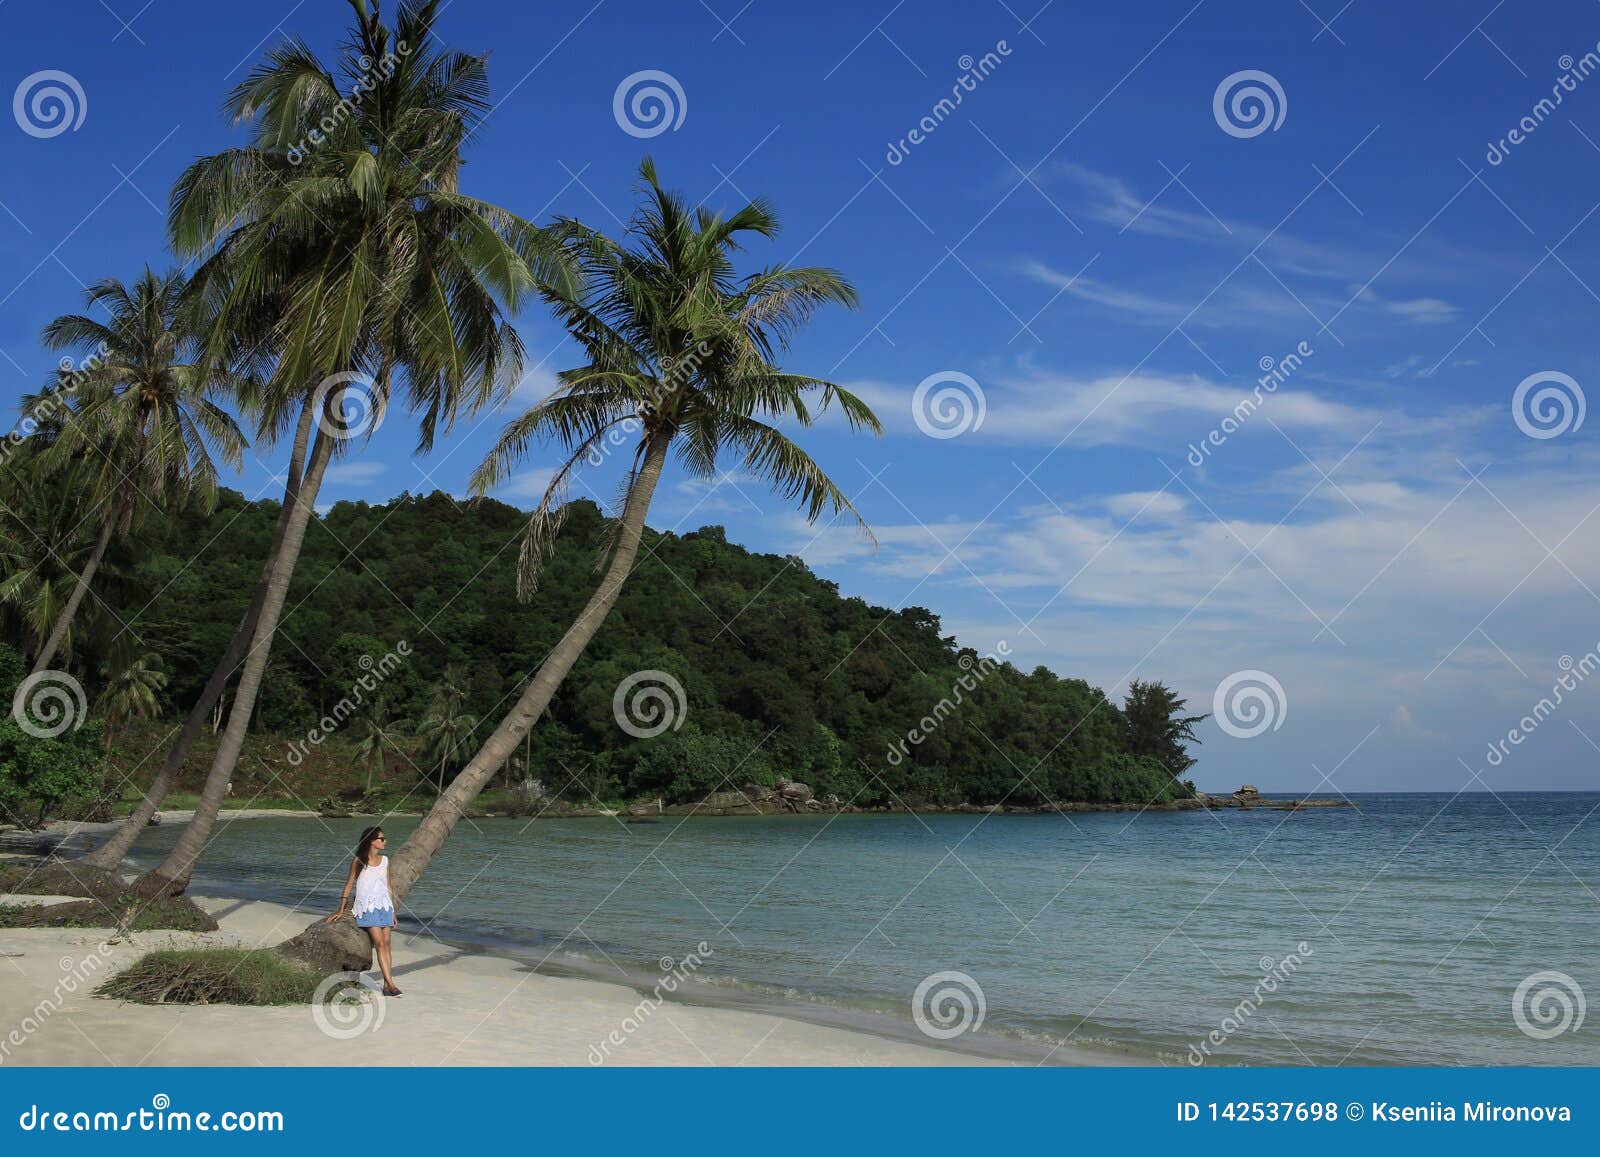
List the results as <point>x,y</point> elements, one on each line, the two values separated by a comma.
<point>1112,201</point>
<point>1145,410</point>
<point>355,473</point>
<point>1236,304</point>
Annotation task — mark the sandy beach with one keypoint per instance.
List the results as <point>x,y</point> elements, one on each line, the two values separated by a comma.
<point>458,1009</point>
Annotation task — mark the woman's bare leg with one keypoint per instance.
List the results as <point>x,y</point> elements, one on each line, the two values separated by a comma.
<point>380,944</point>
<point>385,955</point>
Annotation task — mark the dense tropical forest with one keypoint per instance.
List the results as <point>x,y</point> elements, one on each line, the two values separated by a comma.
<point>781,674</point>
<point>168,642</point>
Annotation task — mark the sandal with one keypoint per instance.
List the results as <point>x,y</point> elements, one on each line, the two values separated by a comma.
<point>391,991</point>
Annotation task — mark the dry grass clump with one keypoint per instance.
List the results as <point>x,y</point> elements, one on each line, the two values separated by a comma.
<point>213,976</point>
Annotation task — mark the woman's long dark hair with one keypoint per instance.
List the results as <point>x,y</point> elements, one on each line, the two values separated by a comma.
<point>364,848</point>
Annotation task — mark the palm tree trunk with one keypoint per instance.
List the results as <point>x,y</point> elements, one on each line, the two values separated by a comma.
<point>413,859</point>
<point>171,876</point>
<point>109,855</point>
<point>58,633</point>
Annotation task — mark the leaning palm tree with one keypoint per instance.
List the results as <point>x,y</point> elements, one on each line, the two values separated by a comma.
<point>140,411</point>
<point>109,855</point>
<point>682,350</point>
<point>339,239</point>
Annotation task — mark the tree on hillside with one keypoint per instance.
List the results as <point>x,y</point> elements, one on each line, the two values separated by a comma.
<point>132,691</point>
<point>376,731</point>
<point>1157,726</point>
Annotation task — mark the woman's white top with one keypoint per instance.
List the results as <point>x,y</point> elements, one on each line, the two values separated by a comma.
<point>372,888</point>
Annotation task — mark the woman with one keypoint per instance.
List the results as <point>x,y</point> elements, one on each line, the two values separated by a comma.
<point>374,908</point>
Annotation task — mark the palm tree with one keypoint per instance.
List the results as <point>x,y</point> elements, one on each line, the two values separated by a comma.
<point>138,414</point>
<point>350,253</point>
<point>684,350</point>
<point>373,728</point>
<point>44,542</point>
<point>109,854</point>
<point>447,730</point>
<point>132,691</point>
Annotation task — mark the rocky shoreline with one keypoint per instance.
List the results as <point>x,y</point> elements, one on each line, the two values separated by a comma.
<point>790,798</point>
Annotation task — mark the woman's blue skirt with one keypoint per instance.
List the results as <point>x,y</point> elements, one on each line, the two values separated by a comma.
<point>376,918</point>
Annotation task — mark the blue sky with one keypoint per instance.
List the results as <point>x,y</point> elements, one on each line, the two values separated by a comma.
<point>1107,264</point>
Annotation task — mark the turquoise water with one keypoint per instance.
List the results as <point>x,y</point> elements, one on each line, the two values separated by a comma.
<point>1134,936</point>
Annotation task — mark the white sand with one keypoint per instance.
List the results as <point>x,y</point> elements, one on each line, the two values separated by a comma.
<point>458,1009</point>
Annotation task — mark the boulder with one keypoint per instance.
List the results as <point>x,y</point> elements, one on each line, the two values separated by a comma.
<point>336,947</point>
<point>794,792</point>
<point>758,794</point>
<point>722,799</point>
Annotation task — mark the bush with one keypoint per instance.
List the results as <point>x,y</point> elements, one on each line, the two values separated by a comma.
<point>686,765</point>
<point>39,776</point>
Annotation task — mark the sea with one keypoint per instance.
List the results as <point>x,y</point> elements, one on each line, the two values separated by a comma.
<point>1412,929</point>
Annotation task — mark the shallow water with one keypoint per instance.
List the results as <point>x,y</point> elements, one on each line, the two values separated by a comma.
<point>1139,935</point>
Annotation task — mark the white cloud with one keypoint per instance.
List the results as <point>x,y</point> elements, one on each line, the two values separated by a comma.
<point>1151,504</point>
<point>528,484</point>
<point>1421,310</point>
<point>355,473</point>
<point>1147,410</point>
<point>1232,305</point>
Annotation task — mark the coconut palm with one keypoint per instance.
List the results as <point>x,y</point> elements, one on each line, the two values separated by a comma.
<point>374,729</point>
<point>45,540</point>
<point>339,239</point>
<point>132,691</point>
<point>681,350</point>
<point>447,730</point>
<point>109,854</point>
<point>137,414</point>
